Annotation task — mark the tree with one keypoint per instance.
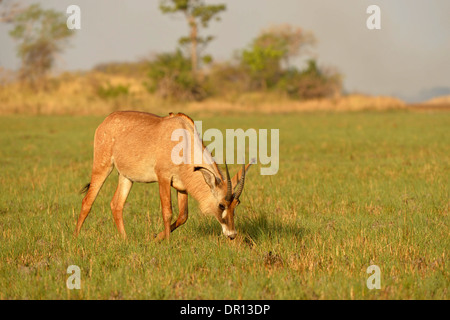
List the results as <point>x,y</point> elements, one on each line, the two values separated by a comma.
<point>41,35</point>
<point>197,14</point>
<point>263,63</point>
<point>291,41</point>
<point>273,48</point>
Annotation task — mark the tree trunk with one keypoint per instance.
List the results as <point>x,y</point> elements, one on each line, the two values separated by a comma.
<point>193,36</point>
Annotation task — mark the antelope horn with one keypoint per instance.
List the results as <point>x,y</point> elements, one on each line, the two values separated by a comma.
<point>229,195</point>
<point>240,186</point>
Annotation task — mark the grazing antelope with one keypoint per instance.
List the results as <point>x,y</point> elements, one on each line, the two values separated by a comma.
<point>139,145</point>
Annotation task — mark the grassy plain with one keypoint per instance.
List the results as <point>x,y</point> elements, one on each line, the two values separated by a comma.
<point>353,189</point>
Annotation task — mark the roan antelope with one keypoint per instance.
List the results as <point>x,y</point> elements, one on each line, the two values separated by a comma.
<point>139,146</point>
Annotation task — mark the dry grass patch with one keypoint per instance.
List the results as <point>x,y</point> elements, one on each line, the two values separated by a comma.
<point>98,93</point>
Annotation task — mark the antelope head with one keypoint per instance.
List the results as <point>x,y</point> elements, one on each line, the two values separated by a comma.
<point>224,197</point>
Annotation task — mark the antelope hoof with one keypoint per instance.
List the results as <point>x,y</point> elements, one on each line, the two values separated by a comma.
<point>160,236</point>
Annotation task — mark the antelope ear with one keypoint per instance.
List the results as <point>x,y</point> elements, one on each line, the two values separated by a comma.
<point>238,175</point>
<point>210,178</point>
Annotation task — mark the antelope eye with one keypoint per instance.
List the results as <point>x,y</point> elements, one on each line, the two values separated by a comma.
<point>221,207</point>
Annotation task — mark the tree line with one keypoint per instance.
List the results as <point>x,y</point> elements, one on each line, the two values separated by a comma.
<point>187,73</point>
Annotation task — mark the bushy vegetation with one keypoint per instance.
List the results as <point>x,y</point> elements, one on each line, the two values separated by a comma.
<point>188,73</point>
<point>171,77</point>
<point>132,69</point>
<point>265,65</point>
<point>110,91</point>
<point>310,83</point>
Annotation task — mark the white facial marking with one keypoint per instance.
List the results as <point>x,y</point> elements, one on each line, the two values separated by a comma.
<point>224,229</point>
<point>224,214</point>
<point>227,232</point>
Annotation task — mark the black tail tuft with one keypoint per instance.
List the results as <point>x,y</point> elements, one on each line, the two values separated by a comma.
<point>85,188</point>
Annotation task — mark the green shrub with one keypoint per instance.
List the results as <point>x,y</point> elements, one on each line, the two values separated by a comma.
<point>310,83</point>
<point>111,92</point>
<point>171,77</point>
<point>263,65</point>
<point>227,79</point>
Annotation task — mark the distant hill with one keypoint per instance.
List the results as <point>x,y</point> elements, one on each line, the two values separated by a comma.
<point>437,103</point>
<point>439,100</point>
<point>435,92</point>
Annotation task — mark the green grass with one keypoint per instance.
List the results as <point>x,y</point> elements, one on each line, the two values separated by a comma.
<point>353,190</point>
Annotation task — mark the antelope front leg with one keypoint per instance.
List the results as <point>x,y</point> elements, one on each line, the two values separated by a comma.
<point>183,210</point>
<point>166,205</point>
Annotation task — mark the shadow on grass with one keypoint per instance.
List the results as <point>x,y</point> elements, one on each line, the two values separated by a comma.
<point>256,228</point>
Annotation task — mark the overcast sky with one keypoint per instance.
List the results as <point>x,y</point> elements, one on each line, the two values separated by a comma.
<point>409,57</point>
